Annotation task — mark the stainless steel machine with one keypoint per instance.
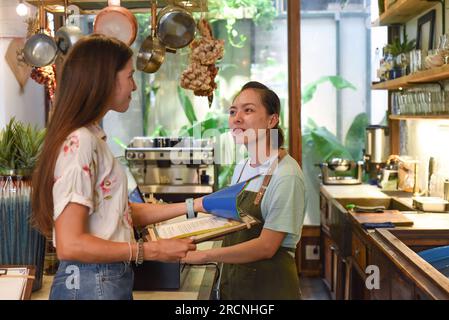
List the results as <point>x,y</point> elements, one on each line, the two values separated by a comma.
<point>377,151</point>
<point>334,172</point>
<point>173,169</point>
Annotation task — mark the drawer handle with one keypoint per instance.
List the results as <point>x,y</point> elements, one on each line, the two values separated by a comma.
<point>332,247</point>
<point>356,252</point>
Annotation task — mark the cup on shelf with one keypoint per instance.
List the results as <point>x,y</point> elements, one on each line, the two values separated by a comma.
<point>415,61</point>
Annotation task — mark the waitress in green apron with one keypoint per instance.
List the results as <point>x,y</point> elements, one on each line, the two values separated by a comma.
<point>259,263</point>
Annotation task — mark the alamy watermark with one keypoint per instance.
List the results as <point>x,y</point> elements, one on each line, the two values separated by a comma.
<point>258,142</point>
<point>73,280</point>
<point>372,280</point>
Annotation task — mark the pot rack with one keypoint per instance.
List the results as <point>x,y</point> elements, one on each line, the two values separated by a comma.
<point>136,6</point>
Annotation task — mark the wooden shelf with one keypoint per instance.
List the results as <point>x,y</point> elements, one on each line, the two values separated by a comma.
<point>404,10</point>
<point>394,84</point>
<point>420,77</point>
<point>419,117</point>
<point>431,75</point>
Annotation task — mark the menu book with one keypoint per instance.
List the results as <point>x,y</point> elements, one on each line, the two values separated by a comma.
<point>204,227</point>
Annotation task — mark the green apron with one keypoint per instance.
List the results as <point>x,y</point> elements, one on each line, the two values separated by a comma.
<point>269,279</point>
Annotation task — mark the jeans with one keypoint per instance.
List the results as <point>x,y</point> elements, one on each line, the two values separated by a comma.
<point>91,281</point>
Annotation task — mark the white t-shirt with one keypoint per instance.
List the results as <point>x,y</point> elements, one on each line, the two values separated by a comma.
<point>284,202</point>
<point>87,173</point>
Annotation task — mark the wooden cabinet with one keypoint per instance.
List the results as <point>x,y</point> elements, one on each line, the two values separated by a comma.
<point>333,273</point>
<point>327,248</point>
<point>324,212</point>
<point>401,288</point>
<point>358,250</point>
<point>420,295</point>
<point>380,264</point>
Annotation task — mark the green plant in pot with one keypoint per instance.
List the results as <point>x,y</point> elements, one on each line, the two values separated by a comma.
<point>20,145</point>
<point>399,50</point>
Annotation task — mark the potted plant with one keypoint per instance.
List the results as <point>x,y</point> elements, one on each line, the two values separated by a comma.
<point>20,145</point>
<point>399,50</point>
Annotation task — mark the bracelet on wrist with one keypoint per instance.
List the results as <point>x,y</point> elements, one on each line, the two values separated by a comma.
<point>190,210</point>
<point>139,254</point>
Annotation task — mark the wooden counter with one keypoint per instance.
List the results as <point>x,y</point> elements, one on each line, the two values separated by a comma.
<point>348,249</point>
<point>197,283</point>
<point>354,191</point>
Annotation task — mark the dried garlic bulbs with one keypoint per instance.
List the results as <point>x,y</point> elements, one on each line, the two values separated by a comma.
<point>201,72</point>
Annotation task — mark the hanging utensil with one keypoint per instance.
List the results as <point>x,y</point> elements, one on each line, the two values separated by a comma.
<point>67,35</point>
<point>40,50</point>
<point>117,22</point>
<point>175,27</point>
<point>152,52</point>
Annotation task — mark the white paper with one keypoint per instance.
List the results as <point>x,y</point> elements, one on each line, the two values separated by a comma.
<point>167,231</point>
<point>13,288</point>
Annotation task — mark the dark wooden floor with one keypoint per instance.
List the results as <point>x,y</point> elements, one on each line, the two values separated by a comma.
<point>313,289</point>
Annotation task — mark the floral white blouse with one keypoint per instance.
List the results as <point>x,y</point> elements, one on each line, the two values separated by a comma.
<point>87,173</point>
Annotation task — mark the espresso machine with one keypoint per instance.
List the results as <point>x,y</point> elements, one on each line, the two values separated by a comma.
<point>173,169</point>
<point>377,151</point>
<point>169,169</point>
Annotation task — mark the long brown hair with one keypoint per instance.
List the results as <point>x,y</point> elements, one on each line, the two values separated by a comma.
<point>270,101</point>
<point>86,83</point>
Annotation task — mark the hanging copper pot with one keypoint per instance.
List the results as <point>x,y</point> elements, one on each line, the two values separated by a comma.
<point>117,22</point>
<point>152,52</point>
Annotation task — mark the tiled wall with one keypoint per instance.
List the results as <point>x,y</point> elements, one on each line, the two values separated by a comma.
<point>424,139</point>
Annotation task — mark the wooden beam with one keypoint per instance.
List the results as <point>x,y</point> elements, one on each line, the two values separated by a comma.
<point>294,80</point>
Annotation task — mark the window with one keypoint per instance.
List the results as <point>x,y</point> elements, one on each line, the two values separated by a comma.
<point>335,56</point>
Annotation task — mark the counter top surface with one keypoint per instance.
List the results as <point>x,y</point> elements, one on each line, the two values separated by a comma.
<point>428,220</point>
<point>353,191</point>
<point>197,283</point>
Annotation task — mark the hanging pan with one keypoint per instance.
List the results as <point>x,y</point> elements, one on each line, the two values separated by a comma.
<point>152,52</point>
<point>40,49</point>
<point>175,27</point>
<point>67,35</point>
<point>117,22</point>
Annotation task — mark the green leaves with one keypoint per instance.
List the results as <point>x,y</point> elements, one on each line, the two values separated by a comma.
<point>355,137</point>
<point>337,81</point>
<point>322,145</point>
<point>396,47</point>
<point>119,142</point>
<point>159,132</point>
<point>187,106</point>
<point>224,178</point>
<point>214,120</point>
<point>262,12</point>
<point>20,145</point>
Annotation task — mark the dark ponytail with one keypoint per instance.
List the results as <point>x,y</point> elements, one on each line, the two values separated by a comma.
<point>270,101</point>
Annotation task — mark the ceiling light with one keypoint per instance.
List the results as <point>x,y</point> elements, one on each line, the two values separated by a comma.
<point>22,9</point>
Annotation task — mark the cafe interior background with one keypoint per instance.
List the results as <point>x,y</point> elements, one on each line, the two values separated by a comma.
<point>341,55</point>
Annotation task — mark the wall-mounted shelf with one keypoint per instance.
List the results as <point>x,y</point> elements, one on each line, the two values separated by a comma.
<point>404,10</point>
<point>394,84</point>
<point>420,77</point>
<point>419,117</point>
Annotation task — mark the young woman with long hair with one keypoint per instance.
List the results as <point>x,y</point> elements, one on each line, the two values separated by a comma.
<point>80,194</point>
